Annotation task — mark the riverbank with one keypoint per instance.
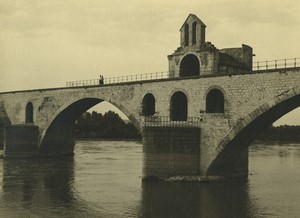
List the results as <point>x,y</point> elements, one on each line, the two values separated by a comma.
<point>272,142</point>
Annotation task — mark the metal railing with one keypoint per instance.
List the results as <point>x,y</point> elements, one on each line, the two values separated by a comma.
<point>257,66</point>
<point>133,78</point>
<point>166,121</point>
<point>121,79</point>
<point>276,64</point>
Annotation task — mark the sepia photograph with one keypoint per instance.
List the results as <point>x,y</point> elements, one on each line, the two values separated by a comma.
<point>149,109</point>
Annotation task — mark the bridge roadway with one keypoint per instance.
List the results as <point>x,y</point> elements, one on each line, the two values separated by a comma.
<point>215,144</point>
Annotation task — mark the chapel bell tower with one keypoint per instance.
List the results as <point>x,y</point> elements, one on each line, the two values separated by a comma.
<point>194,57</point>
<point>197,57</point>
<point>192,31</point>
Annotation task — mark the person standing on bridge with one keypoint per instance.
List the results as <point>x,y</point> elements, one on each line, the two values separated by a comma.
<point>101,80</point>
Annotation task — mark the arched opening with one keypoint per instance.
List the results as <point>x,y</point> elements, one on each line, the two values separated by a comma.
<point>234,147</point>
<point>215,101</point>
<point>186,34</point>
<point>189,66</point>
<point>194,31</point>
<point>179,107</point>
<point>29,113</point>
<point>58,138</point>
<point>148,105</point>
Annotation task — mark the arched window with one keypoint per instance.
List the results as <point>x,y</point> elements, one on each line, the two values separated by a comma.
<point>189,66</point>
<point>179,107</point>
<point>194,33</point>
<point>148,105</point>
<point>29,113</point>
<point>186,34</point>
<point>215,101</point>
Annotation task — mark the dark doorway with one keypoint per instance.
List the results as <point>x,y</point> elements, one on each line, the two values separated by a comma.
<point>189,66</point>
<point>215,101</point>
<point>148,105</point>
<point>29,113</point>
<point>179,107</point>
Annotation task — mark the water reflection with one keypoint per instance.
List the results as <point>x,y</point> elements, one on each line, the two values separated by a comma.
<point>37,186</point>
<point>103,180</point>
<point>227,199</point>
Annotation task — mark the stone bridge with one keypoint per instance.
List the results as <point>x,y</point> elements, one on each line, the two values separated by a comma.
<point>198,119</point>
<point>228,112</point>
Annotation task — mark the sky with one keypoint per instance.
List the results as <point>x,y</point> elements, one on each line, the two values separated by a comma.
<point>45,43</point>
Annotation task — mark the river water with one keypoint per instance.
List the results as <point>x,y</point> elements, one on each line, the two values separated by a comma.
<point>103,179</point>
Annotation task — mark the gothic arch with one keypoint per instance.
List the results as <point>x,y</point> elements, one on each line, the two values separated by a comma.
<point>65,116</point>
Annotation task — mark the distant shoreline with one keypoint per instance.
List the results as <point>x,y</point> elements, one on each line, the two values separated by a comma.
<point>276,141</point>
<point>126,139</point>
<point>105,139</point>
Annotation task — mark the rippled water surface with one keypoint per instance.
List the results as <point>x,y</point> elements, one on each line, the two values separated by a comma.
<point>104,180</point>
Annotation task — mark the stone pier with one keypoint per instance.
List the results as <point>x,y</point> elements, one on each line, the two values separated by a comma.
<point>170,151</point>
<point>20,141</point>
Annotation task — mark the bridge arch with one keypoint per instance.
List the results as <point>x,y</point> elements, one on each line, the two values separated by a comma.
<point>56,138</point>
<point>189,66</point>
<point>235,144</point>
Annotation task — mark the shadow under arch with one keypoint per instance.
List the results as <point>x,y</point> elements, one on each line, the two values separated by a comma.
<point>57,137</point>
<point>235,144</point>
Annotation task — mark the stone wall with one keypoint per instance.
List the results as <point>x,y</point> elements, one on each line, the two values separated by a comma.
<point>243,54</point>
<point>170,151</point>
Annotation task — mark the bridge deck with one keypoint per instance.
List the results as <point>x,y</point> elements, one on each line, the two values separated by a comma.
<point>282,65</point>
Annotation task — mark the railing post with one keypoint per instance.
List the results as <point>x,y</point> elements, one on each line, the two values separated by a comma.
<point>275,64</point>
<point>284,63</point>
<point>257,65</point>
<point>266,65</point>
<point>295,62</point>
